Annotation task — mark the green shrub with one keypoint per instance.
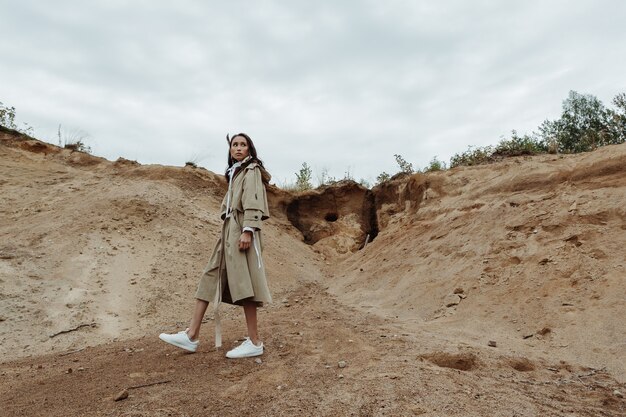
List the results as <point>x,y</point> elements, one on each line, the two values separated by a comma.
<point>476,156</point>
<point>405,166</point>
<point>303,178</point>
<point>520,145</point>
<point>7,120</point>
<point>382,177</point>
<point>435,165</point>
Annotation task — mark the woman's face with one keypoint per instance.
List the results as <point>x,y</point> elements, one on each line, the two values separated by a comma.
<point>239,148</point>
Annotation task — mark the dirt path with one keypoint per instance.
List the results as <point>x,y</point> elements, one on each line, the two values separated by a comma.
<point>388,371</point>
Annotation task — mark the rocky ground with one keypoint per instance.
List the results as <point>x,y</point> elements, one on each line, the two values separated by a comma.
<point>488,291</point>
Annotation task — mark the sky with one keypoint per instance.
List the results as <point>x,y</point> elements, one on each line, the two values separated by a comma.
<point>341,85</point>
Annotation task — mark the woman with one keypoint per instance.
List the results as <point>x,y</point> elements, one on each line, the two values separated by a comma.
<point>235,273</point>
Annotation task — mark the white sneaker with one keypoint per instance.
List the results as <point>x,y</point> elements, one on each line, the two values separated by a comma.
<point>245,350</point>
<point>181,340</point>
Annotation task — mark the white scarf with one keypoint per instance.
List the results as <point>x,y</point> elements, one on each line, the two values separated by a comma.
<point>231,175</point>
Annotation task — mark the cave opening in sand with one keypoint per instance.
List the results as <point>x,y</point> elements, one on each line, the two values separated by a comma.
<point>331,217</point>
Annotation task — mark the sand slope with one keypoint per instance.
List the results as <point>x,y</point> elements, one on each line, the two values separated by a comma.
<point>535,246</point>
<point>532,247</point>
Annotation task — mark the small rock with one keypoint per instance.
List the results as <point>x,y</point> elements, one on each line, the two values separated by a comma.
<point>528,336</point>
<point>618,394</point>
<point>452,300</point>
<point>458,290</point>
<point>280,387</point>
<point>492,343</point>
<point>340,376</point>
<point>2,318</point>
<point>122,395</point>
<point>327,366</point>
<point>80,369</point>
<point>69,371</point>
<point>342,364</point>
<point>544,331</point>
<point>573,206</point>
<point>258,360</point>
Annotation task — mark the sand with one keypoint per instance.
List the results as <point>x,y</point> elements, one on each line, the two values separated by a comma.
<point>495,290</point>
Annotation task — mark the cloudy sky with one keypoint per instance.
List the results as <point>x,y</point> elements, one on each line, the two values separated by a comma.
<point>343,85</point>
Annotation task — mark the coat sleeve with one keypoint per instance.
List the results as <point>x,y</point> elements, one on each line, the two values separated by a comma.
<point>254,199</point>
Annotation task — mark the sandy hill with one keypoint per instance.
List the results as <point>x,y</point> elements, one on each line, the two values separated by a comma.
<point>495,290</point>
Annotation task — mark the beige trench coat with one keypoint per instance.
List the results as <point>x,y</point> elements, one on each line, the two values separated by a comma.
<point>239,275</point>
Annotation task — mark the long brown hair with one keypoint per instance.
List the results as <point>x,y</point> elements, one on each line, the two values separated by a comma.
<point>251,151</point>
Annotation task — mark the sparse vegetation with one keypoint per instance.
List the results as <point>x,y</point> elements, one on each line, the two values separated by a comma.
<point>73,140</point>
<point>324,179</point>
<point>303,178</point>
<point>475,156</point>
<point>7,120</point>
<point>195,159</point>
<point>78,146</point>
<point>347,176</point>
<point>382,177</point>
<point>435,165</point>
<point>405,166</point>
<point>585,125</point>
<point>519,145</point>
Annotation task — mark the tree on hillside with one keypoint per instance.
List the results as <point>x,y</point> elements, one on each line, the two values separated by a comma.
<point>585,124</point>
<point>619,116</point>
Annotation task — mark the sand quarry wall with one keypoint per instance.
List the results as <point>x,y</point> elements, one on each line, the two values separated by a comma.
<point>528,252</point>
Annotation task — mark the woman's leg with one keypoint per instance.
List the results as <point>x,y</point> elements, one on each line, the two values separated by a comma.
<point>249,309</point>
<point>196,319</point>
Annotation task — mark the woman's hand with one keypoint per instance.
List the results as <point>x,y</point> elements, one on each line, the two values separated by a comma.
<point>245,240</point>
